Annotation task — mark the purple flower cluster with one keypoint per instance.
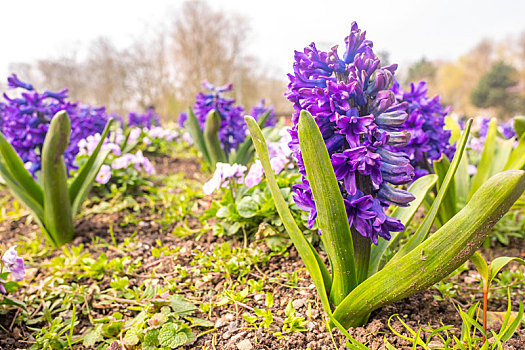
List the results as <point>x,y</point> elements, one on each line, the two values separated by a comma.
<point>233,129</point>
<point>25,121</point>
<point>145,120</point>
<point>426,120</point>
<point>360,119</point>
<point>260,109</point>
<point>506,129</point>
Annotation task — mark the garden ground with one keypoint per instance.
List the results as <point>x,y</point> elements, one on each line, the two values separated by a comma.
<point>141,264</point>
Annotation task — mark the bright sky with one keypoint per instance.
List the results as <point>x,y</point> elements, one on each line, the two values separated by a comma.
<point>408,30</point>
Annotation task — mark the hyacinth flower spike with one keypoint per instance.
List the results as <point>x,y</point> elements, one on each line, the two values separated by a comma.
<point>345,120</point>
<point>54,204</point>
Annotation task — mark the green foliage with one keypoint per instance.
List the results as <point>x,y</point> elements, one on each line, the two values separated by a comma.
<point>421,70</point>
<point>494,89</point>
<point>251,212</point>
<point>427,261</point>
<point>55,204</point>
<point>208,142</point>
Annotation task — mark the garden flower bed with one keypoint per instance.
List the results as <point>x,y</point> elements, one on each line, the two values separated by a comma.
<point>375,221</point>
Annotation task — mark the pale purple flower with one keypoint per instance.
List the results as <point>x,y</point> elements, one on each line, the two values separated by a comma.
<point>104,174</point>
<point>14,264</point>
<point>223,175</point>
<point>255,174</point>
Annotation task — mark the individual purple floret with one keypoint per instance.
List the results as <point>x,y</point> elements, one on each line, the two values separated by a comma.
<point>233,129</point>
<point>145,120</point>
<point>425,123</point>
<point>25,120</point>
<point>260,109</point>
<point>360,119</point>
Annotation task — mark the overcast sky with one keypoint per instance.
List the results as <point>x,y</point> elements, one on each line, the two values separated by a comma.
<point>408,30</point>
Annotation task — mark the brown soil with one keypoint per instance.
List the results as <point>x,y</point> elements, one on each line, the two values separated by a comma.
<point>232,331</point>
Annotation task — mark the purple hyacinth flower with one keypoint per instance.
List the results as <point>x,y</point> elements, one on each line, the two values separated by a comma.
<point>359,117</point>
<point>14,263</point>
<point>305,201</point>
<point>358,211</point>
<point>426,121</point>
<point>25,121</point>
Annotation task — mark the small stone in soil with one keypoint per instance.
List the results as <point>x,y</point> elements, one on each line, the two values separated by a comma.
<point>245,345</point>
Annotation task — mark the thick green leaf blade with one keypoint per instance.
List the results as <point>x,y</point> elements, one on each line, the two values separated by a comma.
<point>455,129</point>
<point>36,209</point>
<point>331,213</point>
<point>440,254</point>
<point>318,271</point>
<point>448,209</point>
<point>58,218</point>
<point>245,150</point>
<point>315,266</point>
<point>485,163</point>
<point>503,152</point>
<point>211,138</point>
<point>15,166</point>
<point>462,180</point>
<point>194,129</point>
<point>517,157</point>
<point>420,188</point>
<point>426,225</point>
<point>88,181</point>
<point>519,125</point>
<point>79,182</point>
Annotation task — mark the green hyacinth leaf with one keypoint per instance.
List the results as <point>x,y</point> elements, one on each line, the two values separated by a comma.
<point>519,125</point>
<point>423,230</point>
<point>318,271</point>
<point>331,213</point>
<point>448,209</point>
<point>440,254</point>
<point>15,166</point>
<point>245,150</point>
<point>211,138</point>
<point>315,266</point>
<point>81,184</point>
<point>194,129</point>
<point>420,188</point>
<point>58,218</point>
<point>517,157</point>
<point>502,154</point>
<point>485,163</point>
